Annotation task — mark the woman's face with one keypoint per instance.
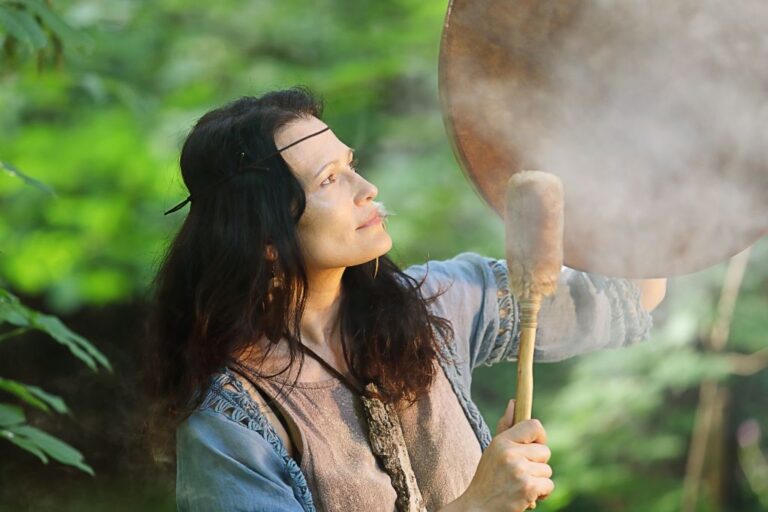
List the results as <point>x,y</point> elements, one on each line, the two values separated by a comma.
<point>339,202</point>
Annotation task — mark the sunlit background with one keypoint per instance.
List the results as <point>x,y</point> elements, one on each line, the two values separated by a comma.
<point>95,99</point>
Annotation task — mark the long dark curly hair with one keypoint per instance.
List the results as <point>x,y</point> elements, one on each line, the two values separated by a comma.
<point>209,292</point>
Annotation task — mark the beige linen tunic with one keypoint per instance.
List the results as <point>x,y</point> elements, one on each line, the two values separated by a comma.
<point>342,472</point>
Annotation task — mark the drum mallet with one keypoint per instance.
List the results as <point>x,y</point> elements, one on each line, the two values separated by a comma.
<point>534,250</point>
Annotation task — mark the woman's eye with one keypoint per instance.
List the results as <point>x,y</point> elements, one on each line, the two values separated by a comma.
<point>332,177</point>
<point>327,181</point>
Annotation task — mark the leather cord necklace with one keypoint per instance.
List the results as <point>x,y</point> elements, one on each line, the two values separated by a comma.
<point>343,378</point>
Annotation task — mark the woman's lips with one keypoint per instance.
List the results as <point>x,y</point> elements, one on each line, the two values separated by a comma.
<point>375,219</point>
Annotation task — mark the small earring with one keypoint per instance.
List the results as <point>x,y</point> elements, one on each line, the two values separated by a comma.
<point>376,269</point>
<point>275,283</point>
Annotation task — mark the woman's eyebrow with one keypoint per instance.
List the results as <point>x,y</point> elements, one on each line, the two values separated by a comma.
<point>350,155</point>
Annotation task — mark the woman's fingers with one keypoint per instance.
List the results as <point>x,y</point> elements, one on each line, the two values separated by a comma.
<point>536,488</point>
<point>541,487</point>
<point>528,431</point>
<point>539,469</point>
<point>507,419</point>
<point>535,452</point>
<point>545,485</point>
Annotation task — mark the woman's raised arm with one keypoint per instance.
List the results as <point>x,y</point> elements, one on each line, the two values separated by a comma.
<point>587,313</point>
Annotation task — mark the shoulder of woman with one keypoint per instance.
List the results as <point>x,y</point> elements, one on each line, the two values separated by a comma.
<point>236,400</point>
<point>223,466</point>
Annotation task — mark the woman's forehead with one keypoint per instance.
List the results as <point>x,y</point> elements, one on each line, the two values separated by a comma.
<point>309,156</point>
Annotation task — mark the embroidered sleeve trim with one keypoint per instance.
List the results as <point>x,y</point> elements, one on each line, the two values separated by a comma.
<point>626,310</point>
<point>454,375</point>
<point>239,407</point>
<point>506,344</point>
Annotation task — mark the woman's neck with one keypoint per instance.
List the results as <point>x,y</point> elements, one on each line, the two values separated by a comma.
<point>319,327</point>
<point>319,322</point>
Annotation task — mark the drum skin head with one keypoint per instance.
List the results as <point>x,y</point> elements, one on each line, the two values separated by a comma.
<point>653,114</point>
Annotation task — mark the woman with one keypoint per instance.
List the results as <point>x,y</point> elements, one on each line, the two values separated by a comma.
<point>283,255</point>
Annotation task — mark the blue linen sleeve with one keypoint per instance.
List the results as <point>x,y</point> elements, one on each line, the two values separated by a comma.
<point>224,466</point>
<point>588,312</point>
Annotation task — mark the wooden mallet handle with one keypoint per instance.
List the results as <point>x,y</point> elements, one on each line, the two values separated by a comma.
<point>534,250</point>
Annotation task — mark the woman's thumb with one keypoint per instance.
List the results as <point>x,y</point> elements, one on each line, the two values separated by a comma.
<point>507,419</point>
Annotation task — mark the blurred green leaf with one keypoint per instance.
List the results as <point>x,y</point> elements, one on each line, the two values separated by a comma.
<point>11,415</point>
<point>12,26</point>
<point>12,311</point>
<point>69,36</point>
<point>24,444</point>
<point>13,171</point>
<point>35,35</point>
<point>49,445</point>
<point>78,345</point>
<point>34,396</point>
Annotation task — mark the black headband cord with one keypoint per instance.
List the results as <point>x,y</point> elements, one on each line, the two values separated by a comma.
<point>189,197</point>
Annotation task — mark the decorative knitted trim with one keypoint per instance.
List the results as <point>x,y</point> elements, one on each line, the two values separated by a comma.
<point>239,407</point>
<point>453,374</point>
<point>506,345</point>
<point>627,310</point>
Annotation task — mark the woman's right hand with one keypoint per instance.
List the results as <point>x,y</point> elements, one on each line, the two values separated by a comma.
<point>513,472</point>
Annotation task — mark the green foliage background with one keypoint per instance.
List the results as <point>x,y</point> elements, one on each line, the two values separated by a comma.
<point>100,119</point>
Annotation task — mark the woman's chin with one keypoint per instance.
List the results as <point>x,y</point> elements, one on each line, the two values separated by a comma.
<point>379,251</point>
<point>386,245</point>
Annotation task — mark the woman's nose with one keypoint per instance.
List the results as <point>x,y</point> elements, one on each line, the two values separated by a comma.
<point>368,191</point>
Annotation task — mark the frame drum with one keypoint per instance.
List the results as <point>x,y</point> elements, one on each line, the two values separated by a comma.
<point>652,113</point>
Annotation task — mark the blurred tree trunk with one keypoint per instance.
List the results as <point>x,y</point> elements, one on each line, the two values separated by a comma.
<point>707,449</point>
